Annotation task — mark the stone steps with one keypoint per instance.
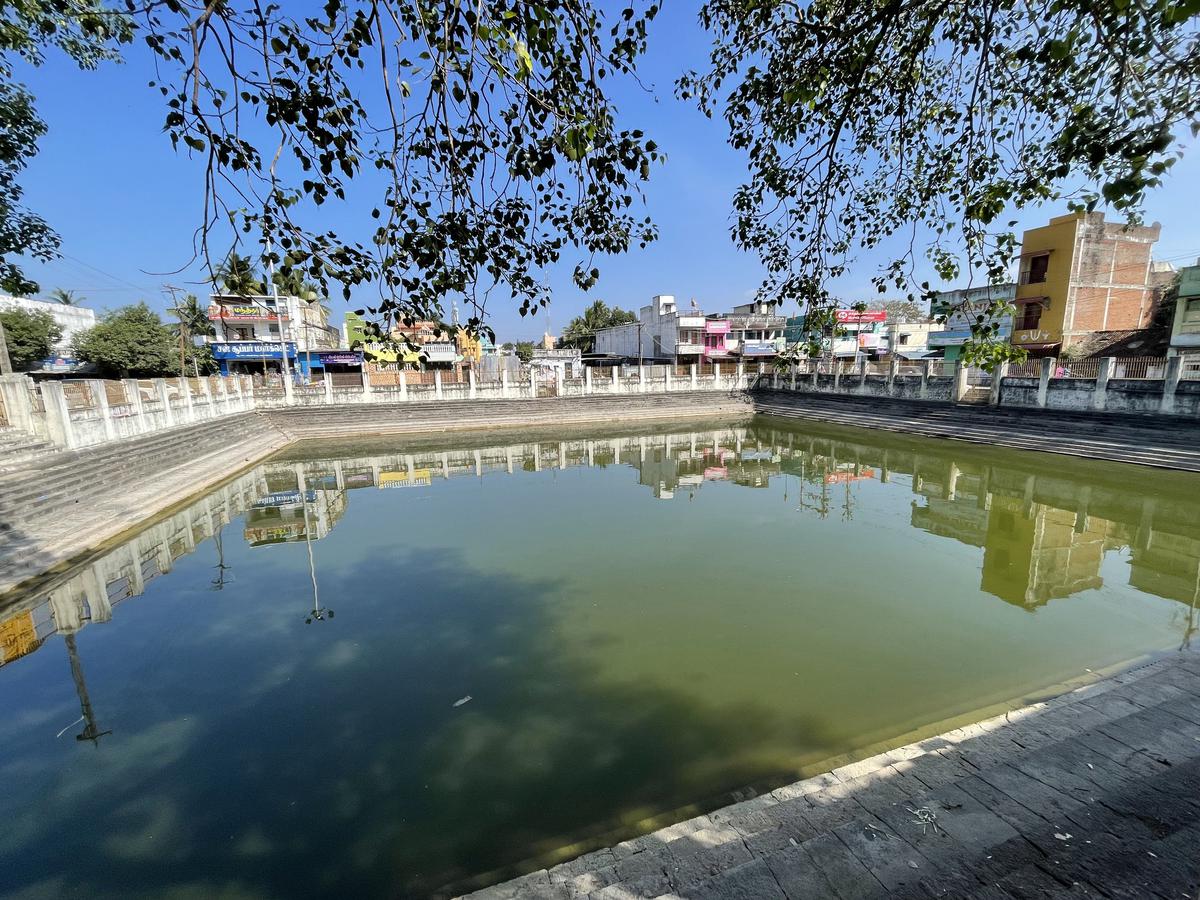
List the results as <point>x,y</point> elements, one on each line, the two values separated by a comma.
<point>380,418</point>
<point>1160,442</point>
<point>19,450</point>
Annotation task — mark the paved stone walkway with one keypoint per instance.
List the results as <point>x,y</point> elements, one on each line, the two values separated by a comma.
<point>1092,794</point>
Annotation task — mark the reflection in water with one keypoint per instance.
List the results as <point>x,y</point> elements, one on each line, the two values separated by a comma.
<point>799,592</point>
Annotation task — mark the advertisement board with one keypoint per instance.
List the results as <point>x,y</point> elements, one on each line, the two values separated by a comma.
<point>250,350</point>
<point>245,313</point>
<point>716,326</point>
<point>853,317</point>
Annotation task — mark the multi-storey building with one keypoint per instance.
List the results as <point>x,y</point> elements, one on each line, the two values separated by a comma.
<point>1079,275</point>
<point>70,319</point>
<point>1185,328</point>
<point>961,307</point>
<point>253,333</point>
<point>663,333</point>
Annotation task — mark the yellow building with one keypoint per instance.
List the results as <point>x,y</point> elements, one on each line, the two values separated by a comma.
<point>1079,275</point>
<point>469,348</point>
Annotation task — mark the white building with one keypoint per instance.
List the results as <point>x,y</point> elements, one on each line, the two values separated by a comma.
<point>71,319</point>
<point>664,333</point>
<point>960,308</point>
<point>254,330</point>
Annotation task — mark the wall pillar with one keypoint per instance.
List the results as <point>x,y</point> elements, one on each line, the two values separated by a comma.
<point>893,370</point>
<point>837,374</point>
<point>587,381</point>
<point>133,396</point>
<point>188,414</point>
<point>437,383</point>
<point>18,405</point>
<point>616,379</point>
<point>164,398</point>
<point>925,366</point>
<point>960,381</point>
<point>58,416</point>
<point>504,382</point>
<point>998,377</point>
<point>328,387</point>
<point>740,380</point>
<point>641,379</point>
<point>403,384</point>
<point>862,375</point>
<point>288,395</point>
<point>532,383</point>
<point>1044,376</point>
<point>558,381</point>
<point>1100,395</point>
<point>471,383</point>
<point>695,379</point>
<point>1171,383</point>
<point>795,367</point>
<point>667,381</point>
<point>717,376</point>
<point>774,379</point>
<point>100,401</point>
<point>814,371</point>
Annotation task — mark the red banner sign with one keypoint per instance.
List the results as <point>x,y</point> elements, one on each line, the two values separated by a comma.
<point>853,317</point>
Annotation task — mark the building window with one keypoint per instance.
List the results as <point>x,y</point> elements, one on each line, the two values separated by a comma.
<point>1033,268</point>
<point>1191,312</point>
<point>904,339</point>
<point>1028,317</point>
<point>242,334</point>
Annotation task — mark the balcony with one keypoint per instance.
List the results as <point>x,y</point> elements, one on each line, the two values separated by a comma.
<point>439,353</point>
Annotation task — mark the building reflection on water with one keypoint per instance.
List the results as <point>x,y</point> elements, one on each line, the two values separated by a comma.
<point>1044,535</point>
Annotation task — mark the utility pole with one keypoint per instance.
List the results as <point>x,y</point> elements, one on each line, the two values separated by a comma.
<point>183,329</point>
<point>287,372</point>
<point>5,362</point>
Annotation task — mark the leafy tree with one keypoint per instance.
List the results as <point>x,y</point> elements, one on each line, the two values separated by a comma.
<point>66,297</point>
<point>87,32</point>
<point>131,342</point>
<point>524,351</point>
<point>581,331</point>
<point>489,126</point>
<point>913,118</point>
<point>31,336</point>
<point>900,310</point>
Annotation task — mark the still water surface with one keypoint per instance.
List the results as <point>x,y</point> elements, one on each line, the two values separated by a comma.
<point>403,667</point>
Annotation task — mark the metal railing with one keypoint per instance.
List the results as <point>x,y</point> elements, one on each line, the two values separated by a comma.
<point>1079,368</point>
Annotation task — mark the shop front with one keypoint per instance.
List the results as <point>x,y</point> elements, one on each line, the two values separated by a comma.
<point>252,357</point>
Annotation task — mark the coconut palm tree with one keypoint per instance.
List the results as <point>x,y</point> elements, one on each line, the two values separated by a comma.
<point>237,275</point>
<point>193,317</point>
<point>66,297</point>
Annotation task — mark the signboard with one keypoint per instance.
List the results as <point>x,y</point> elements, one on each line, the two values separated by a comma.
<point>845,476</point>
<point>339,357</point>
<point>853,317</point>
<point>868,340</point>
<point>716,326</point>
<point>250,350</point>
<point>420,478</point>
<point>221,312</point>
<point>60,364</point>
<point>285,498</point>
<point>758,348</point>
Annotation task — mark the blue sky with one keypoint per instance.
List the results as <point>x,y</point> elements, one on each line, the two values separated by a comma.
<point>126,204</point>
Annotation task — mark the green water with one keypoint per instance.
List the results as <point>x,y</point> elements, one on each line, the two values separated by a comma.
<point>647,623</point>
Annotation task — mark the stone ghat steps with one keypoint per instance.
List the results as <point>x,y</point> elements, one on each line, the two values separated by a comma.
<point>412,417</point>
<point>66,483</point>
<point>47,517</point>
<point>1164,443</point>
<point>1095,793</point>
<point>19,450</point>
